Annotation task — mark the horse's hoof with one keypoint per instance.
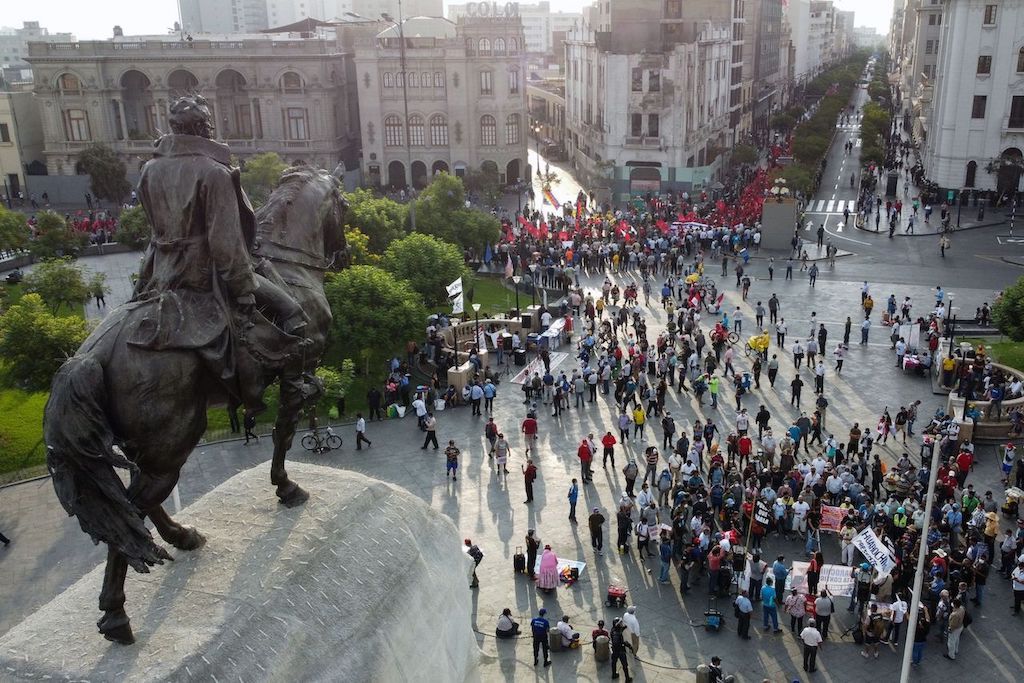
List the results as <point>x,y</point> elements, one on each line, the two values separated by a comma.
<point>190,539</point>
<point>292,495</point>
<point>116,628</point>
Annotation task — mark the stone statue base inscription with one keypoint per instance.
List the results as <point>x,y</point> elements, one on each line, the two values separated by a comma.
<point>363,583</point>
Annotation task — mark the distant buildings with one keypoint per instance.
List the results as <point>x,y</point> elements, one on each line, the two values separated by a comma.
<point>541,26</point>
<point>464,86</point>
<point>14,41</point>
<point>21,142</point>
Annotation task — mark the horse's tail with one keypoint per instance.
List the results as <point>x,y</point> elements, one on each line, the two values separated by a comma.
<point>81,458</point>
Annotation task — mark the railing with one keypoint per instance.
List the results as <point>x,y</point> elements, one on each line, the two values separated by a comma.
<point>310,46</point>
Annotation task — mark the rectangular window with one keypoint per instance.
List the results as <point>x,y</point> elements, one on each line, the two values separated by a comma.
<point>636,125</point>
<point>513,82</point>
<point>243,121</point>
<point>76,122</point>
<point>654,81</point>
<point>296,127</point>
<point>984,64</point>
<point>990,15</point>
<point>1017,112</point>
<point>978,107</point>
<point>486,85</point>
<point>5,133</point>
<point>653,122</point>
<point>638,80</point>
<point>929,47</point>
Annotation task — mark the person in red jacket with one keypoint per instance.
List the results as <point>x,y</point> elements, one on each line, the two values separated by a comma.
<point>586,457</point>
<point>744,446</point>
<point>608,441</point>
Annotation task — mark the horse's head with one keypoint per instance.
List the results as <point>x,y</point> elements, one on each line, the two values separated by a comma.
<point>304,216</point>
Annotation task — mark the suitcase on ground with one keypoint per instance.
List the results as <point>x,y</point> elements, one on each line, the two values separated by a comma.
<point>519,561</point>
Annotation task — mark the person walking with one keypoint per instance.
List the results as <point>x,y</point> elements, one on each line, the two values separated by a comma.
<point>596,524</point>
<point>361,433</point>
<point>768,606</point>
<point>608,443</point>
<point>532,549</point>
<point>451,457</point>
<point>618,646</point>
<point>865,327</point>
<point>474,552</point>
<point>955,628</point>
<point>529,476</point>
<point>539,627</point>
<point>924,625</point>
<point>430,424</point>
<point>574,494</point>
<point>812,274</point>
<point>796,608</point>
<point>744,609</point>
<point>586,456</point>
<point>796,386</point>
<point>823,608</point>
<point>812,639</point>
<point>633,624</point>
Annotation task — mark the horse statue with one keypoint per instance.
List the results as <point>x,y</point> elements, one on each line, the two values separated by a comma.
<point>135,395</point>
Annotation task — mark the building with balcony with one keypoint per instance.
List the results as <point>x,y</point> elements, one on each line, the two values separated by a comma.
<point>540,24</point>
<point>655,118</point>
<point>975,125</point>
<point>269,93</point>
<point>545,99</point>
<point>463,86</point>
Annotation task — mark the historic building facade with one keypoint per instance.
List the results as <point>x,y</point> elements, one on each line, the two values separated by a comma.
<point>464,85</point>
<point>268,94</point>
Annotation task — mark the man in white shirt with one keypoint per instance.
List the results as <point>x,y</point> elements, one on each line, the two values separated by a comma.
<point>811,639</point>
<point>420,406</point>
<point>800,510</point>
<point>361,433</point>
<point>899,612</point>
<point>630,620</point>
<point>1017,581</point>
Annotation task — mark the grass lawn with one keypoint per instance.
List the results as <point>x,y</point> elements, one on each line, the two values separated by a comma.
<point>11,294</point>
<point>493,297</point>
<point>21,431</point>
<point>1002,351</point>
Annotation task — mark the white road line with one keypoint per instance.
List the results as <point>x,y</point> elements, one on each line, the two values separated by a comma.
<point>841,237</point>
<point>831,204</point>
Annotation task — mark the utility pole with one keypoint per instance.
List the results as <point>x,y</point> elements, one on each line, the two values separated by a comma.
<point>405,105</point>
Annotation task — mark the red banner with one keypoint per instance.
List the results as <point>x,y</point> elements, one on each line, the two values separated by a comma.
<point>831,518</point>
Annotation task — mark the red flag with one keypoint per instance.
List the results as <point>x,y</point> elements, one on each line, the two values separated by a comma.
<point>663,226</point>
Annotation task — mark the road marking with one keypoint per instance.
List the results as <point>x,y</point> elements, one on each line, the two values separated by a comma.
<point>1006,239</point>
<point>842,237</point>
<point>831,204</point>
<point>839,228</point>
<point>821,204</point>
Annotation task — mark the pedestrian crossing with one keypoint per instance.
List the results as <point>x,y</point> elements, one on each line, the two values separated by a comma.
<point>831,205</point>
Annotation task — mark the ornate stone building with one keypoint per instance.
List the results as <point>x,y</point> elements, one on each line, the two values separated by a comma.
<point>269,94</point>
<point>465,84</point>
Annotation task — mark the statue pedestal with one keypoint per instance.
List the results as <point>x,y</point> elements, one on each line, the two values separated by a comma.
<point>363,583</point>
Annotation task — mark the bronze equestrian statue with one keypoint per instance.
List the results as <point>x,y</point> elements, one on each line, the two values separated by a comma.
<point>228,301</point>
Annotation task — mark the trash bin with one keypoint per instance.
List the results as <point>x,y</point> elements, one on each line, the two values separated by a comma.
<point>555,640</point>
<point>703,673</point>
<point>602,649</point>
<point>520,357</point>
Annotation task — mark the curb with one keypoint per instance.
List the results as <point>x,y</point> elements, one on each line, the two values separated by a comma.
<point>1012,261</point>
<point>933,234</point>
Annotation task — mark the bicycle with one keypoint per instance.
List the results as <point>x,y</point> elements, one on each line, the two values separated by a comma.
<point>321,440</point>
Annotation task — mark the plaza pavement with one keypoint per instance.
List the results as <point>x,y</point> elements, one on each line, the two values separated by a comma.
<point>49,552</point>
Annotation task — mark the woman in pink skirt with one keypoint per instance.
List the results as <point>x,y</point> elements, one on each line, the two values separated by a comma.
<point>547,579</point>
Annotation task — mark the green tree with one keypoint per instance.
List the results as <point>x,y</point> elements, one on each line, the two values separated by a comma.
<point>336,381</point>
<point>34,342</point>
<point>783,122</point>
<point>374,313</point>
<point>107,173</point>
<point>14,231</point>
<point>441,211</point>
<point>56,237</point>
<point>381,219</point>
<point>799,178</point>
<point>133,227</point>
<point>59,282</point>
<point>744,154</point>
<point>359,248</point>
<point>1008,311</point>
<point>260,175</point>
<point>485,184</point>
<point>427,264</point>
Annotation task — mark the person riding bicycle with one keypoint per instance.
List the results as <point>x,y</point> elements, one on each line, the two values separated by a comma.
<point>760,343</point>
<point>720,333</point>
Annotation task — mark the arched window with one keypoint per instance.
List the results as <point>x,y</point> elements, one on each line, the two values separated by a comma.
<point>416,128</point>
<point>438,131</point>
<point>425,79</point>
<point>972,171</point>
<point>388,81</point>
<point>392,131</point>
<point>400,79</point>
<point>488,130</point>
<point>1020,61</point>
<point>438,79</point>
<point>484,47</point>
<point>512,129</point>
<point>486,83</point>
<point>513,46</point>
<point>413,80</point>
<point>470,47</point>
<point>499,46</point>
<point>68,84</point>
<point>513,81</point>
<point>291,83</point>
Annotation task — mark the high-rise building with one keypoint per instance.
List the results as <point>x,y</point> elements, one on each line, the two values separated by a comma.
<point>765,35</point>
<point>972,133</point>
<point>222,16</point>
<point>647,90</point>
<point>14,41</point>
<point>540,24</point>
<point>463,86</point>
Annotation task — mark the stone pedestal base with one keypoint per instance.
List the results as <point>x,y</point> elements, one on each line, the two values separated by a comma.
<point>363,583</point>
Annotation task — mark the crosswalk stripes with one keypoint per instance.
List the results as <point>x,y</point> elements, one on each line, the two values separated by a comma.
<point>831,205</point>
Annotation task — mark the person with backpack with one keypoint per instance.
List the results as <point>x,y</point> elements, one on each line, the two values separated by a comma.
<point>664,488</point>
<point>631,471</point>
<point>539,627</point>
<point>477,555</point>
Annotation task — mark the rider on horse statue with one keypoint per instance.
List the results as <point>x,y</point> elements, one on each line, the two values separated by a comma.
<point>198,269</point>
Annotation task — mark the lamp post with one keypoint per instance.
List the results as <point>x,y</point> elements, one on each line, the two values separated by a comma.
<point>536,128</point>
<point>959,206</point>
<point>533,285</point>
<point>476,325</point>
<point>405,105</point>
<point>516,279</point>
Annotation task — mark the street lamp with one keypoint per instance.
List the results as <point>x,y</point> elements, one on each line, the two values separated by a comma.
<point>405,105</point>
<point>536,128</point>
<point>533,287</point>
<point>959,206</point>
<point>517,279</point>
<point>476,328</point>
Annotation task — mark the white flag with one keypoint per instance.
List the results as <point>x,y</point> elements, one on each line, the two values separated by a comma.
<point>457,304</point>
<point>875,552</point>
<point>455,288</point>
